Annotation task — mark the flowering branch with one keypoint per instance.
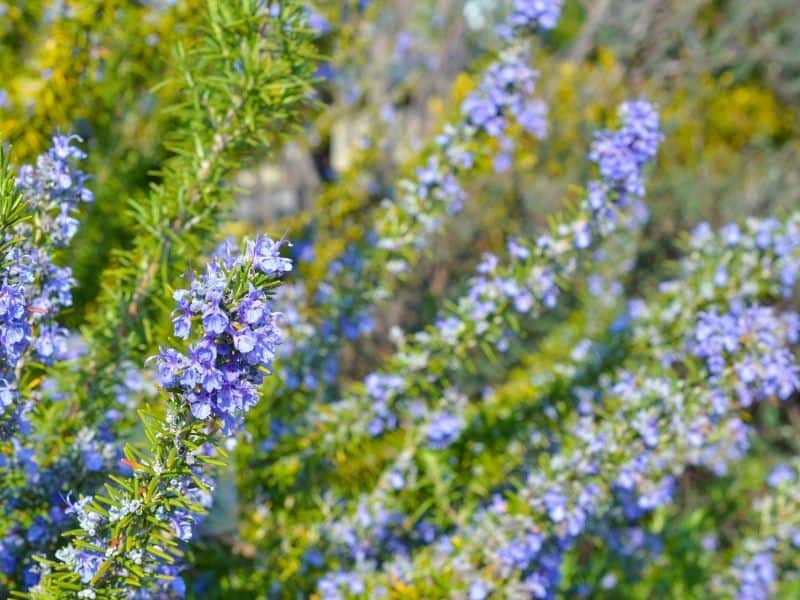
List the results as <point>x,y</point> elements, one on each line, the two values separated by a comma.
<point>130,535</point>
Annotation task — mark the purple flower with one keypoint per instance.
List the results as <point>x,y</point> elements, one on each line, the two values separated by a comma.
<point>215,321</point>
<point>443,430</point>
<point>505,91</point>
<point>757,577</point>
<point>181,523</point>
<point>781,474</point>
<point>556,504</point>
<point>479,590</point>
<point>219,376</point>
<point>266,257</point>
<point>54,188</point>
<point>767,368</point>
<point>200,407</point>
<point>8,394</point>
<point>535,14</point>
<point>252,307</point>
<point>583,234</point>
<point>521,552</point>
<point>620,155</point>
<point>182,326</point>
<point>244,340</point>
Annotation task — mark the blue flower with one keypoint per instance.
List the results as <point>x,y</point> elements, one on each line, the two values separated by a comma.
<point>781,474</point>
<point>621,154</point>
<point>54,188</point>
<point>265,255</point>
<point>535,14</point>
<point>240,335</point>
<point>757,577</point>
<point>521,552</point>
<point>181,523</point>
<point>504,92</point>
<point>443,430</point>
<point>215,321</point>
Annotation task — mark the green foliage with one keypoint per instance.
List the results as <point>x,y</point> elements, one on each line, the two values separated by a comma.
<point>242,90</point>
<point>12,209</point>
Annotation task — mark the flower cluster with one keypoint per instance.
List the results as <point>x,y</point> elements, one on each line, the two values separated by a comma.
<point>620,154</point>
<point>758,576</point>
<point>218,376</point>
<point>54,188</point>
<point>226,313</point>
<point>444,429</point>
<point>771,371</point>
<point>506,91</point>
<point>535,14</point>
<point>87,460</point>
<point>34,289</point>
<point>336,586</point>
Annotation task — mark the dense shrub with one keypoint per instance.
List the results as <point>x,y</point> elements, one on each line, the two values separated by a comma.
<point>525,328</point>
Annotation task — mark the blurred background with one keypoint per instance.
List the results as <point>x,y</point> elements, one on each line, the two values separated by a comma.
<point>725,74</point>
